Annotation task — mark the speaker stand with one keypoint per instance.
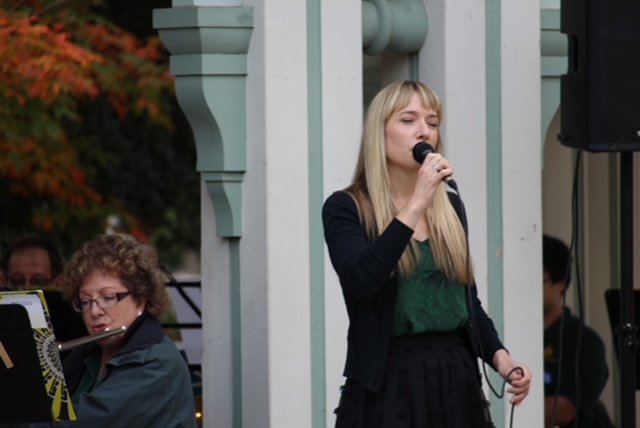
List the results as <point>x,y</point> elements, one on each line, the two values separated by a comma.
<point>627,336</point>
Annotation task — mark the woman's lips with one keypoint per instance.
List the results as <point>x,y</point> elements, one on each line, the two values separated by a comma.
<point>98,328</point>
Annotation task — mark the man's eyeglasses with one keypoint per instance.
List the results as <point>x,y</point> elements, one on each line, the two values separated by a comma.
<point>103,302</point>
<point>34,281</point>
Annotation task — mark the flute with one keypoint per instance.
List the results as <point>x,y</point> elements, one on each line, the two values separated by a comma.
<point>63,346</point>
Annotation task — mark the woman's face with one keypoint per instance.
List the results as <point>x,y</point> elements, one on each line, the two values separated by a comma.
<point>408,126</point>
<point>104,307</point>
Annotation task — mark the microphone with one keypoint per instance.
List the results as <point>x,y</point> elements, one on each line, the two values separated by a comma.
<point>420,152</point>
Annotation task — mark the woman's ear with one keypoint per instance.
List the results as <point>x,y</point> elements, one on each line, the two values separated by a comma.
<point>141,307</point>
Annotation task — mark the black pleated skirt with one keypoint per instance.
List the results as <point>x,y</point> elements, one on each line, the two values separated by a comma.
<point>431,380</point>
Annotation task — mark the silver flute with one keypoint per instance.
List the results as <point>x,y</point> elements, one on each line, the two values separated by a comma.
<point>63,346</point>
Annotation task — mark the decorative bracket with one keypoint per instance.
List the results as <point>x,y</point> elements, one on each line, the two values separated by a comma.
<point>208,47</point>
<point>396,25</point>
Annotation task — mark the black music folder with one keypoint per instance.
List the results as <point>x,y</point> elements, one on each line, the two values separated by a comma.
<point>67,323</point>
<point>33,385</point>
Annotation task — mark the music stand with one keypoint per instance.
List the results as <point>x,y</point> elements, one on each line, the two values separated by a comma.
<point>612,300</point>
<point>33,384</point>
<point>22,395</point>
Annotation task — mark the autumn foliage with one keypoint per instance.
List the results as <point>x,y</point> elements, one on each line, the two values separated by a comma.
<point>55,57</point>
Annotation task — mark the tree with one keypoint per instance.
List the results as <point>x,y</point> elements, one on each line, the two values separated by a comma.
<point>90,127</point>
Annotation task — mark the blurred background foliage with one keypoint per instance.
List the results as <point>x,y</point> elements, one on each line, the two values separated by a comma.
<point>92,138</point>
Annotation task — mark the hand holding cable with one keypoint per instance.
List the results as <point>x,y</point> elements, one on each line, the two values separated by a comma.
<point>518,376</point>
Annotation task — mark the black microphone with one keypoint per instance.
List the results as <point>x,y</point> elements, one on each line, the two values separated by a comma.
<point>420,152</point>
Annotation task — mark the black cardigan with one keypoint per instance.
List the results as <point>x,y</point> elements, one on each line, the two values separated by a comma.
<point>369,286</point>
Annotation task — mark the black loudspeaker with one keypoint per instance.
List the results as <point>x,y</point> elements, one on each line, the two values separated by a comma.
<point>600,93</point>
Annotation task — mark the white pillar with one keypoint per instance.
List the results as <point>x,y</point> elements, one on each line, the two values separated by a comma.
<point>342,124</point>
<point>521,171</point>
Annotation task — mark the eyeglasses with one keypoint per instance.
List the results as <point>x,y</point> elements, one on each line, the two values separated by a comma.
<point>34,281</point>
<point>103,302</point>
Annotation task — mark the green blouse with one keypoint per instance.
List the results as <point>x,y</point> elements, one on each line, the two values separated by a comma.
<point>428,301</point>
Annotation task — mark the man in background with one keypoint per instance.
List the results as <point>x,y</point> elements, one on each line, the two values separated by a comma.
<point>575,368</point>
<point>30,262</point>
<point>34,262</point>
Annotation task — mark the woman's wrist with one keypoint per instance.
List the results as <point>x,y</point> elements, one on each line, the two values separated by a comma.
<point>502,361</point>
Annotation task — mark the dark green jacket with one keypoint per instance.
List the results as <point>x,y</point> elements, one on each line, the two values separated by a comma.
<point>147,384</point>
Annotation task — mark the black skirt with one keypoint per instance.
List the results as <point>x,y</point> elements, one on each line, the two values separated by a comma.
<point>431,380</point>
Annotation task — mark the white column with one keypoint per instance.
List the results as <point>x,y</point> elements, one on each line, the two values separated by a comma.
<point>276,292</point>
<point>342,124</point>
<point>522,212</point>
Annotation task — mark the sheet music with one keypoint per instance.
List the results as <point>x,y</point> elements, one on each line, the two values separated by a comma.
<point>31,302</point>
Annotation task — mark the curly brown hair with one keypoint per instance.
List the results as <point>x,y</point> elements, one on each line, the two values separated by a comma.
<point>135,264</point>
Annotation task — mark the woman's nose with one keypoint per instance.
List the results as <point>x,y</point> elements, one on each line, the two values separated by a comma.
<point>424,131</point>
<point>95,309</point>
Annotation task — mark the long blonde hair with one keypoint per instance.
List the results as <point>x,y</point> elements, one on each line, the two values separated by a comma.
<point>371,189</point>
